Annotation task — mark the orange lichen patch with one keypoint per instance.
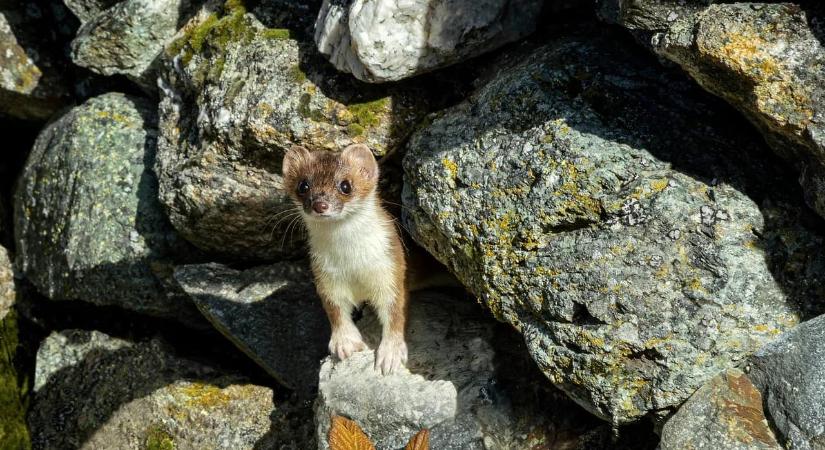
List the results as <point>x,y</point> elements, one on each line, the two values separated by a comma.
<point>741,410</point>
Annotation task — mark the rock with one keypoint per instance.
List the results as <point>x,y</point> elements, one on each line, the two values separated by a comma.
<point>86,10</point>
<point>30,83</point>
<point>128,39</point>
<point>764,59</point>
<point>13,431</point>
<point>636,234</point>
<point>790,372</point>
<point>384,40</point>
<point>725,413</point>
<point>271,313</point>
<point>453,387</point>
<point>87,222</point>
<point>98,392</point>
<point>236,95</point>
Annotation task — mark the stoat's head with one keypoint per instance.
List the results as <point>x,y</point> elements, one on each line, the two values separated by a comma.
<point>328,185</point>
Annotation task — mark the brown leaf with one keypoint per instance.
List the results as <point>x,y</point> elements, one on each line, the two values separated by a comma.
<point>420,441</point>
<point>347,435</point>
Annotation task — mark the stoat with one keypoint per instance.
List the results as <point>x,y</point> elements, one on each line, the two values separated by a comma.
<point>356,251</point>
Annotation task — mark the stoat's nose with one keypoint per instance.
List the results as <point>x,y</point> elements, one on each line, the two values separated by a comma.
<point>320,206</point>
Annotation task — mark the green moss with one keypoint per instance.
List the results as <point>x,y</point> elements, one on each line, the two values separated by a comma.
<point>297,74</point>
<point>13,431</point>
<point>157,438</point>
<point>354,129</point>
<point>276,33</point>
<point>369,114</point>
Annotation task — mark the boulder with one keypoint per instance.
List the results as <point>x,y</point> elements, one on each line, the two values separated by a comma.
<point>790,372</point>
<point>764,59</point>
<point>453,386</point>
<point>8,293</point>
<point>271,313</point>
<point>93,391</point>
<point>725,414</point>
<point>235,96</point>
<point>88,225</point>
<point>634,230</point>
<point>385,40</point>
<point>86,10</point>
<point>31,87</point>
<point>128,39</point>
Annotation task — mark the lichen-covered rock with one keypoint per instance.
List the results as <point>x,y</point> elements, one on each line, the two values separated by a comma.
<point>271,313</point>
<point>385,40</point>
<point>86,10</point>
<point>724,414</point>
<point>627,224</point>
<point>764,59</point>
<point>790,372</point>
<point>236,96</point>
<point>128,39</point>
<point>88,225</point>
<point>98,392</point>
<point>30,83</point>
<point>8,293</point>
<point>452,386</point>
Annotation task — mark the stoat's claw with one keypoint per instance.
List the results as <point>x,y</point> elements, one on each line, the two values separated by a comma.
<point>346,342</point>
<point>391,355</point>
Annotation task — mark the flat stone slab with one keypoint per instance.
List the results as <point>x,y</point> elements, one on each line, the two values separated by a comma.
<point>271,313</point>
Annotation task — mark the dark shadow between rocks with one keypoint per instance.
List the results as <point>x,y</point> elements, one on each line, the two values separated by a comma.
<point>815,13</point>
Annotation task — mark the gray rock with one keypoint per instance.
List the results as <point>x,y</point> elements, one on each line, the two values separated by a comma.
<point>30,84</point>
<point>88,225</point>
<point>128,38</point>
<point>86,10</point>
<point>385,40</point>
<point>236,95</point>
<point>790,372</point>
<point>98,392</point>
<point>631,229</point>
<point>764,59</point>
<point>725,414</point>
<point>452,386</point>
<point>8,293</point>
<point>271,313</point>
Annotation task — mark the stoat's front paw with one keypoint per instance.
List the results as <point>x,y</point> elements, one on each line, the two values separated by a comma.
<point>391,355</point>
<point>346,342</point>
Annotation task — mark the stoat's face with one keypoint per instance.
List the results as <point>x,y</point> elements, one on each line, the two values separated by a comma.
<point>328,185</point>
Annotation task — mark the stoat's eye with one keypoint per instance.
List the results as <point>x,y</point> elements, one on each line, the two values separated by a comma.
<point>345,187</point>
<point>303,187</point>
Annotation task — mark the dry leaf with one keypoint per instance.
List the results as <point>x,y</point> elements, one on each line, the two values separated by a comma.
<point>347,435</point>
<point>420,441</point>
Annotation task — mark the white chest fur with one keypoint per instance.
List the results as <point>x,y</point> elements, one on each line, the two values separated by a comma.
<point>353,256</point>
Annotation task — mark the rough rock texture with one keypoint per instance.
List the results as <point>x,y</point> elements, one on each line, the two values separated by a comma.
<point>271,313</point>
<point>634,232</point>
<point>128,39</point>
<point>88,225</point>
<point>764,59</point>
<point>790,372</point>
<point>30,85</point>
<point>236,96</point>
<point>97,392</point>
<point>725,414</point>
<point>387,40</point>
<point>86,10</point>
<point>451,386</point>
<point>8,293</point>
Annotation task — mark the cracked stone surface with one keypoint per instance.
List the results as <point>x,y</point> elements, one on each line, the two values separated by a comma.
<point>618,217</point>
<point>388,40</point>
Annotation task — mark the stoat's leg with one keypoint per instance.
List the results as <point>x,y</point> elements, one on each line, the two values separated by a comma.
<point>391,355</point>
<point>346,339</point>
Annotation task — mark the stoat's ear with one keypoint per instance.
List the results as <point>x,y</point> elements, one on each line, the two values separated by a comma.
<point>360,157</point>
<point>293,157</point>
